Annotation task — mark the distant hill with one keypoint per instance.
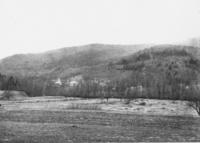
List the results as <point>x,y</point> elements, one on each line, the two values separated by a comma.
<point>164,71</point>
<point>104,61</point>
<point>166,64</point>
<point>88,59</point>
<point>163,52</point>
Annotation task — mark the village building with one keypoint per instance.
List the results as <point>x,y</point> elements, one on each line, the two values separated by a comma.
<point>74,81</point>
<point>58,82</point>
<point>101,82</point>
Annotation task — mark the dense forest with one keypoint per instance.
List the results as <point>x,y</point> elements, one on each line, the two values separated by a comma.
<point>8,83</point>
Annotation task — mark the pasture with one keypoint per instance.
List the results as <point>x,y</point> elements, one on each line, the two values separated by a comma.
<point>59,119</point>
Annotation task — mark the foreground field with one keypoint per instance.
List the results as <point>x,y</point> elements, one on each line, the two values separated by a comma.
<point>58,120</point>
<point>69,126</point>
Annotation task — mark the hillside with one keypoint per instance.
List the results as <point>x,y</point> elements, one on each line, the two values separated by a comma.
<point>66,61</point>
<point>161,57</point>
<point>164,71</point>
<point>167,71</point>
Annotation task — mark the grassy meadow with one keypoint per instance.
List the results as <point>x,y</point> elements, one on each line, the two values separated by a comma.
<point>51,120</point>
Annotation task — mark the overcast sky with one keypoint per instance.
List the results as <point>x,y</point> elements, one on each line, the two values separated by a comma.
<point>28,26</point>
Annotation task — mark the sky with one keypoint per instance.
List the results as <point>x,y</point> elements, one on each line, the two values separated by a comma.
<point>33,26</point>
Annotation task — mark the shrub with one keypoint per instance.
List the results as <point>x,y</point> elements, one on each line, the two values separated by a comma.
<point>196,106</point>
<point>195,100</point>
<point>142,103</point>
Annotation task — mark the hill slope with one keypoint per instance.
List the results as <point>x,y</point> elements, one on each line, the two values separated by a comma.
<point>66,61</point>
<point>165,70</point>
<point>94,60</point>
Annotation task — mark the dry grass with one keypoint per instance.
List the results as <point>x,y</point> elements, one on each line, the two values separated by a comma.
<point>82,126</point>
<point>81,106</point>
<point>146,106</point>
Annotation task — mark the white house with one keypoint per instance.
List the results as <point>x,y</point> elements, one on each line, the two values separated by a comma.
<point>73,83</point>
<point>138,88</point>
<point>101,82</point>
<point>58,82</point>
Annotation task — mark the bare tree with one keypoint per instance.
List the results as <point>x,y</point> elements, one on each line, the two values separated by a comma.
<point>196,106</point>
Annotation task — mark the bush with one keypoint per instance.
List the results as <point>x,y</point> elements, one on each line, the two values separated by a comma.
<point>196,106</point>
<point>142,103</point>
<point>195,100</point>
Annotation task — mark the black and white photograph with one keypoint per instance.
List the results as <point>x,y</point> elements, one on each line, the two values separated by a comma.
<point>99,71</point>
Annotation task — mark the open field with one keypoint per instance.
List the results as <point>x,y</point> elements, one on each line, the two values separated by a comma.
<point>137,106</point>
<point>50,119</point>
